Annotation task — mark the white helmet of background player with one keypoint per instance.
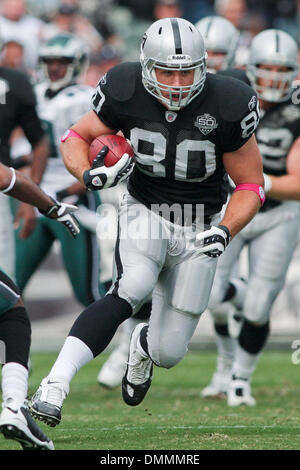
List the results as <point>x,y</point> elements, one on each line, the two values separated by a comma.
<point>173,43</point>
<point>64,46</point>
<point>221,40</point>
<point>269,48</point>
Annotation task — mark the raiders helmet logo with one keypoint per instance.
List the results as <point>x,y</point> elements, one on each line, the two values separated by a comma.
<point>206,123</point>
<point>143,41</point>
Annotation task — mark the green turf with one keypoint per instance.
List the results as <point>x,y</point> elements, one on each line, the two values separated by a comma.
<point>173,416</point>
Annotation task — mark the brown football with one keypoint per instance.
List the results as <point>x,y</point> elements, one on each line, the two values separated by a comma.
<point>117,145</point>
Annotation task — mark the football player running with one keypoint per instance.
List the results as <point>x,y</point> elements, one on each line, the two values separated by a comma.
<point>272,235</point>
<point>61,102</point>
<point>221,41</point>
<point>15,420</point>
<point>187,128</point>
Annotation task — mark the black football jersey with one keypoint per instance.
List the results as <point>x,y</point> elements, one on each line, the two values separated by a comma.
<point>178,154</point>
<point>279,127</point>
<point>17,108</point>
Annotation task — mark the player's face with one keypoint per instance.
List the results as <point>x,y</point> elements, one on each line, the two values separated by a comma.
<point>215,60</point>
<point>57,68</point>
<point>174,79</point>
<point>271,77</point>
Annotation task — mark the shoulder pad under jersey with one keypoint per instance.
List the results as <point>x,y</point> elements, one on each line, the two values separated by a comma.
<point>234,97</point>
<point>121,80</point>
<point>239,74</point>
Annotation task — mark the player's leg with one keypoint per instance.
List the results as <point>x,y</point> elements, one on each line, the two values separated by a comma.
<point>82,257</point>
<point>269,257</point>
<point>178,300</point>
<point>30,252</point>
<point>112,371</point>
<point>139,259</point>
<point>221,307</point>
<point>15,420</point>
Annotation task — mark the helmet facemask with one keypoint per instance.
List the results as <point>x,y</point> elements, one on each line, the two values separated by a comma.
<point>64,47</point>
<point>279,87</point>
<point>185,93</point>
<point>62,82</point>
<point>217,62</point>
<point>273,65</point>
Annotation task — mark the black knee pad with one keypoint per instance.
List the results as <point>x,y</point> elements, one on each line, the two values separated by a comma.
<point>252,338</point>
<point>15,332</point>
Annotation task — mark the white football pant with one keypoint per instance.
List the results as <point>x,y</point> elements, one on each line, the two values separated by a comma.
<point>154,256</point>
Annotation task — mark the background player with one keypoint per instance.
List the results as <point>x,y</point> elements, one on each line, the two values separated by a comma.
<point>18,108</point>
<point>272,236</point>
<point>61,102</point>
<point>221,40</point>
<point>15,332</point>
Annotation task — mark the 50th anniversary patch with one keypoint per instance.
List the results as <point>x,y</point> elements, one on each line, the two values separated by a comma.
<point>206,123</point>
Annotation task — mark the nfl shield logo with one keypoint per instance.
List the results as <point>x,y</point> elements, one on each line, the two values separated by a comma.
<point>206,123</point>
<point>170,116</point>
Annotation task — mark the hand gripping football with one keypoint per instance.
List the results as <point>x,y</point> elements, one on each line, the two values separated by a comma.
<point>117,146</point>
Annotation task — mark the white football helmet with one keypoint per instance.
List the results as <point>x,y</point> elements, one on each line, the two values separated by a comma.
<point>64,46</point>
<point>176,44</point>
<point>220,36</point>
<point>273,47</point>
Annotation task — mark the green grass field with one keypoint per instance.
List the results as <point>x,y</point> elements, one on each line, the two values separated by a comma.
<point>173,416</point>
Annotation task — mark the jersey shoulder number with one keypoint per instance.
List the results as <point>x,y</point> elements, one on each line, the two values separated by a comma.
<point>118,84</point>
<point>238,109</point>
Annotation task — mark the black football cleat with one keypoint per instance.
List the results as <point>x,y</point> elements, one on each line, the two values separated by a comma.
<point>138,375</point>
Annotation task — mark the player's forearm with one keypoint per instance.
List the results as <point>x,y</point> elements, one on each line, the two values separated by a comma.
<point>39,161</point>
<point>75,156</point>
<point>241,209</point>
<point>286,187</point>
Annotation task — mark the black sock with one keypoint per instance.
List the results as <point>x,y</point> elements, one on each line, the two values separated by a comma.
<point>230,293</point>
<point>15,332</point>
<point>222,330</point>
<point>252,338</point>
<point>97,324</point>
<point>144,312</point>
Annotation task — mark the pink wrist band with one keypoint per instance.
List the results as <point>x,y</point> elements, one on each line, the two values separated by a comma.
<point>70,133</point>
<point>256,188</point>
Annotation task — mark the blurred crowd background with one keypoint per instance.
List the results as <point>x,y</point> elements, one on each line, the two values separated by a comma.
<point>113,28</point>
